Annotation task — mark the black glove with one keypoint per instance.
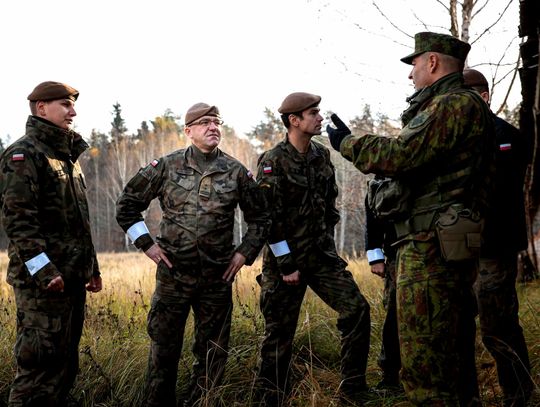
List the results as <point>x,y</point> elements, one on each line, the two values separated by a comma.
<point>337,135</point>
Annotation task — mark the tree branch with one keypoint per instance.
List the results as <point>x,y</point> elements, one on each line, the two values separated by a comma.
<point>390,21</point>
<point>492,25</point>
<point>503,104</point>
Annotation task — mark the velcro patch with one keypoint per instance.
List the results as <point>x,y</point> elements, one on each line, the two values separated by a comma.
<point>17,157</point>
<point>505,147</point>
<point>249,174</point>
<point>267,169</point>
<point>154,163</point>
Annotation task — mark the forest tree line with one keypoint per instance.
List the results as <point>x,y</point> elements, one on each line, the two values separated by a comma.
<point>114,157</point>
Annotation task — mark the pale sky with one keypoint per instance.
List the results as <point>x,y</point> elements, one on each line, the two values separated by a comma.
<point>241,55</point>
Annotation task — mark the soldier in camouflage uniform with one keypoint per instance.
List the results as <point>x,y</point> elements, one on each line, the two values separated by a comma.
<point>444,155</point>
<point>198,188</point>
<point>506,235</point>
<point>381,256</point>
<point>299,181</point>
<point>51,256</point>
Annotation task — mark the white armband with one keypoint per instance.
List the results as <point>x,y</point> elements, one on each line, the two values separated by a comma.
<point>280,248</point>
<point>37,263</point>
<point>374,255</point>
<point>137,230</point>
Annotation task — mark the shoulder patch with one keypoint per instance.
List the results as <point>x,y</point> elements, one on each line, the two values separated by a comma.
<point>154,163</point>
<point>17,157</point>
<point>418,120</point>
<point>505,147</point>
<point>249,174</point>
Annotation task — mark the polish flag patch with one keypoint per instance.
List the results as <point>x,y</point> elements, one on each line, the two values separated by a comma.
<point>154,163</point>
<point>17,157</point>
<point>506,146</point>
<point>267,170</point>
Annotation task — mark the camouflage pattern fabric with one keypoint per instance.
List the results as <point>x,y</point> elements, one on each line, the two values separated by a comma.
<point>301,192</point>
<point>380,234</point>
<point>198,208</point>
<point>44,207</point>
<point>49,327</point>
<point>445,130</point>
<point>211,300</point>
<point>389,359</point>
<point>436,310</point>
<point>44,210</point>
<point>198,196</point>
<point>502,334</point>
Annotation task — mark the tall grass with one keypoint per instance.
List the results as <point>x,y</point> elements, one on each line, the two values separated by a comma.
<point>114,346</point>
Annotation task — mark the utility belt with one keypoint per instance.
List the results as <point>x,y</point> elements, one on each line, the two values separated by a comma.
<point>458,229</point>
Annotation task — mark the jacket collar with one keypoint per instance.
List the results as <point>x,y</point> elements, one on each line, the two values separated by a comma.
<point>67,143</point>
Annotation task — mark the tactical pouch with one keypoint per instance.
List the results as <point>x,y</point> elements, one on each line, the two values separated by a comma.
<point>459,234</point>
<point>388,198</point>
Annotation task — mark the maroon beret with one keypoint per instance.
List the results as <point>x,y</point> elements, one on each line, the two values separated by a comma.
<point>298,102</point>
<point>199,110</point>
<point>473,78</point>
<point>52,91</point>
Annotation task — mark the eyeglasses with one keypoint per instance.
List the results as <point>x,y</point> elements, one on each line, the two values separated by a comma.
<point>207,122</point>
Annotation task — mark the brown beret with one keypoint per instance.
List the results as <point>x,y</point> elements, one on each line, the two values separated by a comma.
<point>199,110</point>
<point>298,102</point>
<point>52,91</point>
<point>435,42</point>
<point>474,78</point>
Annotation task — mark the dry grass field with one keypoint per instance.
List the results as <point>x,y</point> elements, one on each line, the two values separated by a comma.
<point>115,344</point>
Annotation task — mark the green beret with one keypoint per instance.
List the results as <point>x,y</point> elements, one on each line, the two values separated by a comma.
<point>199,110</point>
<point>473,78</point>
<point>52,91</point>
<point>298,102</point>
<point>434,42</point>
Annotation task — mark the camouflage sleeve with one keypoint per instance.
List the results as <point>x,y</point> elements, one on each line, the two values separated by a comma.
<point>20,192</point>
<point>256,215</point>
<point>135,199</point>
<point>431,134</point>
<point>331,213</point>
<point>268,179</point>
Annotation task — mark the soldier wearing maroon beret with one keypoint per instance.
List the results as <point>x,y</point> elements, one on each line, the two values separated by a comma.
<point>505,235</point>
<point>199,188</point>
<point>299,182</point>
<point>51,255</point>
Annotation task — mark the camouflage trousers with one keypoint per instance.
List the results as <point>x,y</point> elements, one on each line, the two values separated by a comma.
<point>280,304</point>
<point>49,328</point>
<point>211,301</point>
<point>436,315</point>
<point>389,359</point>
<point>502,335</point>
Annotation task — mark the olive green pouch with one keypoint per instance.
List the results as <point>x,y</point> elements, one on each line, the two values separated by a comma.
<point>459,234</point>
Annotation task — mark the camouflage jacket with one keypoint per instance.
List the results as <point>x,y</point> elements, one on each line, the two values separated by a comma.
<point>301,192</point>
<point>444,153</point>
<point>198,208</point>
<point>44,207</point>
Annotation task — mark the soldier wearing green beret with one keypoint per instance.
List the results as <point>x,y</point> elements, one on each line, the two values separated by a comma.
<point>299,181</point>
<point>51,255</point>
<point>199,188</point>
<point>444,157</point>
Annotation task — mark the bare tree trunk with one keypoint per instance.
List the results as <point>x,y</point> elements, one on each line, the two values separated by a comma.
<point>454,25</point>
<point>466,12</point>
